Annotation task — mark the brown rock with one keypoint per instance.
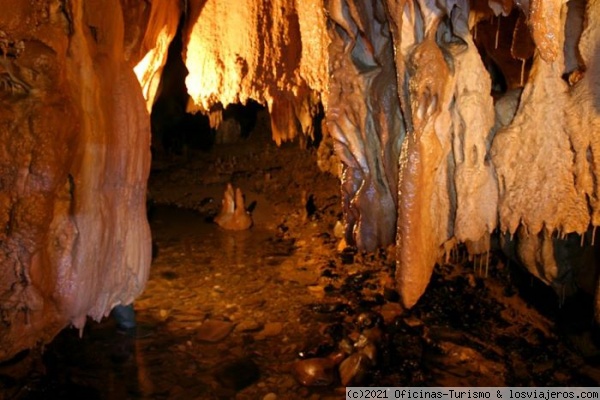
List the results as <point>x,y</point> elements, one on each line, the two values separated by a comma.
<point>214,330</point>
<point>354,369</point>
<point>270,329</point>
<point>74,164</point>
<point>314,371</point>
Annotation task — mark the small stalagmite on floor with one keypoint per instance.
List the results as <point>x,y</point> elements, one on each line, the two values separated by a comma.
<point>233,215</point>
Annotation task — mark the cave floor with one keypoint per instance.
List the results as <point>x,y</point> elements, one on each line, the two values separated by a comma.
<point>229,314</point>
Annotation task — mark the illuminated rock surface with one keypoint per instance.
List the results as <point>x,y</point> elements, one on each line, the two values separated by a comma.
<point>75,160</point>
<point>298,307</point>
<point>273,52</point>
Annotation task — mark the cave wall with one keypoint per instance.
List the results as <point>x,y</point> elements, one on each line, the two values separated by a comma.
<point>75,162</point>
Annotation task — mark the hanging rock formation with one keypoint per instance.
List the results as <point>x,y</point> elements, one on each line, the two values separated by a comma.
<point>75,161</point>
<point>364,120</point>
<point>272,52</point>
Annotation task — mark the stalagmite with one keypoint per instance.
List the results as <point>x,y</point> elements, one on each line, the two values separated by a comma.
<point>233,215</point>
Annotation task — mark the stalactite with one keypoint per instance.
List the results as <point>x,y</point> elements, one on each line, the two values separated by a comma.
<point>274,53</point>
<point>74,172</point>
<point>424,203</point>
<point>535,170</point>
<point>363,118</point>
<point>149,29</point>
<point>497,33</point>
<point>545,21</point>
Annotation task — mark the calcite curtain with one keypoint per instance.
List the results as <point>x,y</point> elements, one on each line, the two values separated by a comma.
<point>74,163</point>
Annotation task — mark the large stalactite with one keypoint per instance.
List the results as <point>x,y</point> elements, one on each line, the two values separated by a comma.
<point>363,116</point>
<point>74,165</point>
<point>431,157</point>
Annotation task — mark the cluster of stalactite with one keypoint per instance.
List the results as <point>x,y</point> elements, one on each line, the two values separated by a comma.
<point>273,52</point>
<point>466,168</point>
<point>430,158</point>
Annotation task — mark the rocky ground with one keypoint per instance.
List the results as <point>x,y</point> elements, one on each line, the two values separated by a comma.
<point>278,312</point>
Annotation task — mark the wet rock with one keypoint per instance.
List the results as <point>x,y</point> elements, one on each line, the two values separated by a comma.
<point>249,325</point>
<point>370,350</point>
<point>270,329</point>
<point>214,330</point>
<point>316,350</point>
<point>335,331</point>
<point>347,255</point>
<point>314,371</point>
<point>413,322</point>
<point>354,369</point>
<point>346,345</point>
<point>390,311</point>
<point>329,308</point>
<point>238,374</point>
<point>369,319</point>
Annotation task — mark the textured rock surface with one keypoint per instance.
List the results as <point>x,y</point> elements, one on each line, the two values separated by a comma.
<point>272,52</point>
<point>424,203</point>
<point>74,169</point>
<point>363,118</point>
<point>149,29</point>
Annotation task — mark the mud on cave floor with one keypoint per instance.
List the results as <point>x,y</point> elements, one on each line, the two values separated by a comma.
<point>229,314</point>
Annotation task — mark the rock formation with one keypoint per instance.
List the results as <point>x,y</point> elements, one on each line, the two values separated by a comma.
<point>233,215</point>
<point>75,161</point>
<point>432,155</point>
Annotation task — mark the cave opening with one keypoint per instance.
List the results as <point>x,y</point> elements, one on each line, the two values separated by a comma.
<point>262,292</point>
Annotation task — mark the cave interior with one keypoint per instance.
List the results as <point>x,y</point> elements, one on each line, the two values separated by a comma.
<point>298,197</point>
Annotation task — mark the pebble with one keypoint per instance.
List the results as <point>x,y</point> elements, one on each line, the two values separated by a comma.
<point>214,330</point>
<point>390,311</point>
<point>270,329</point>
<point>248,325</point>
<point>270,396</point>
